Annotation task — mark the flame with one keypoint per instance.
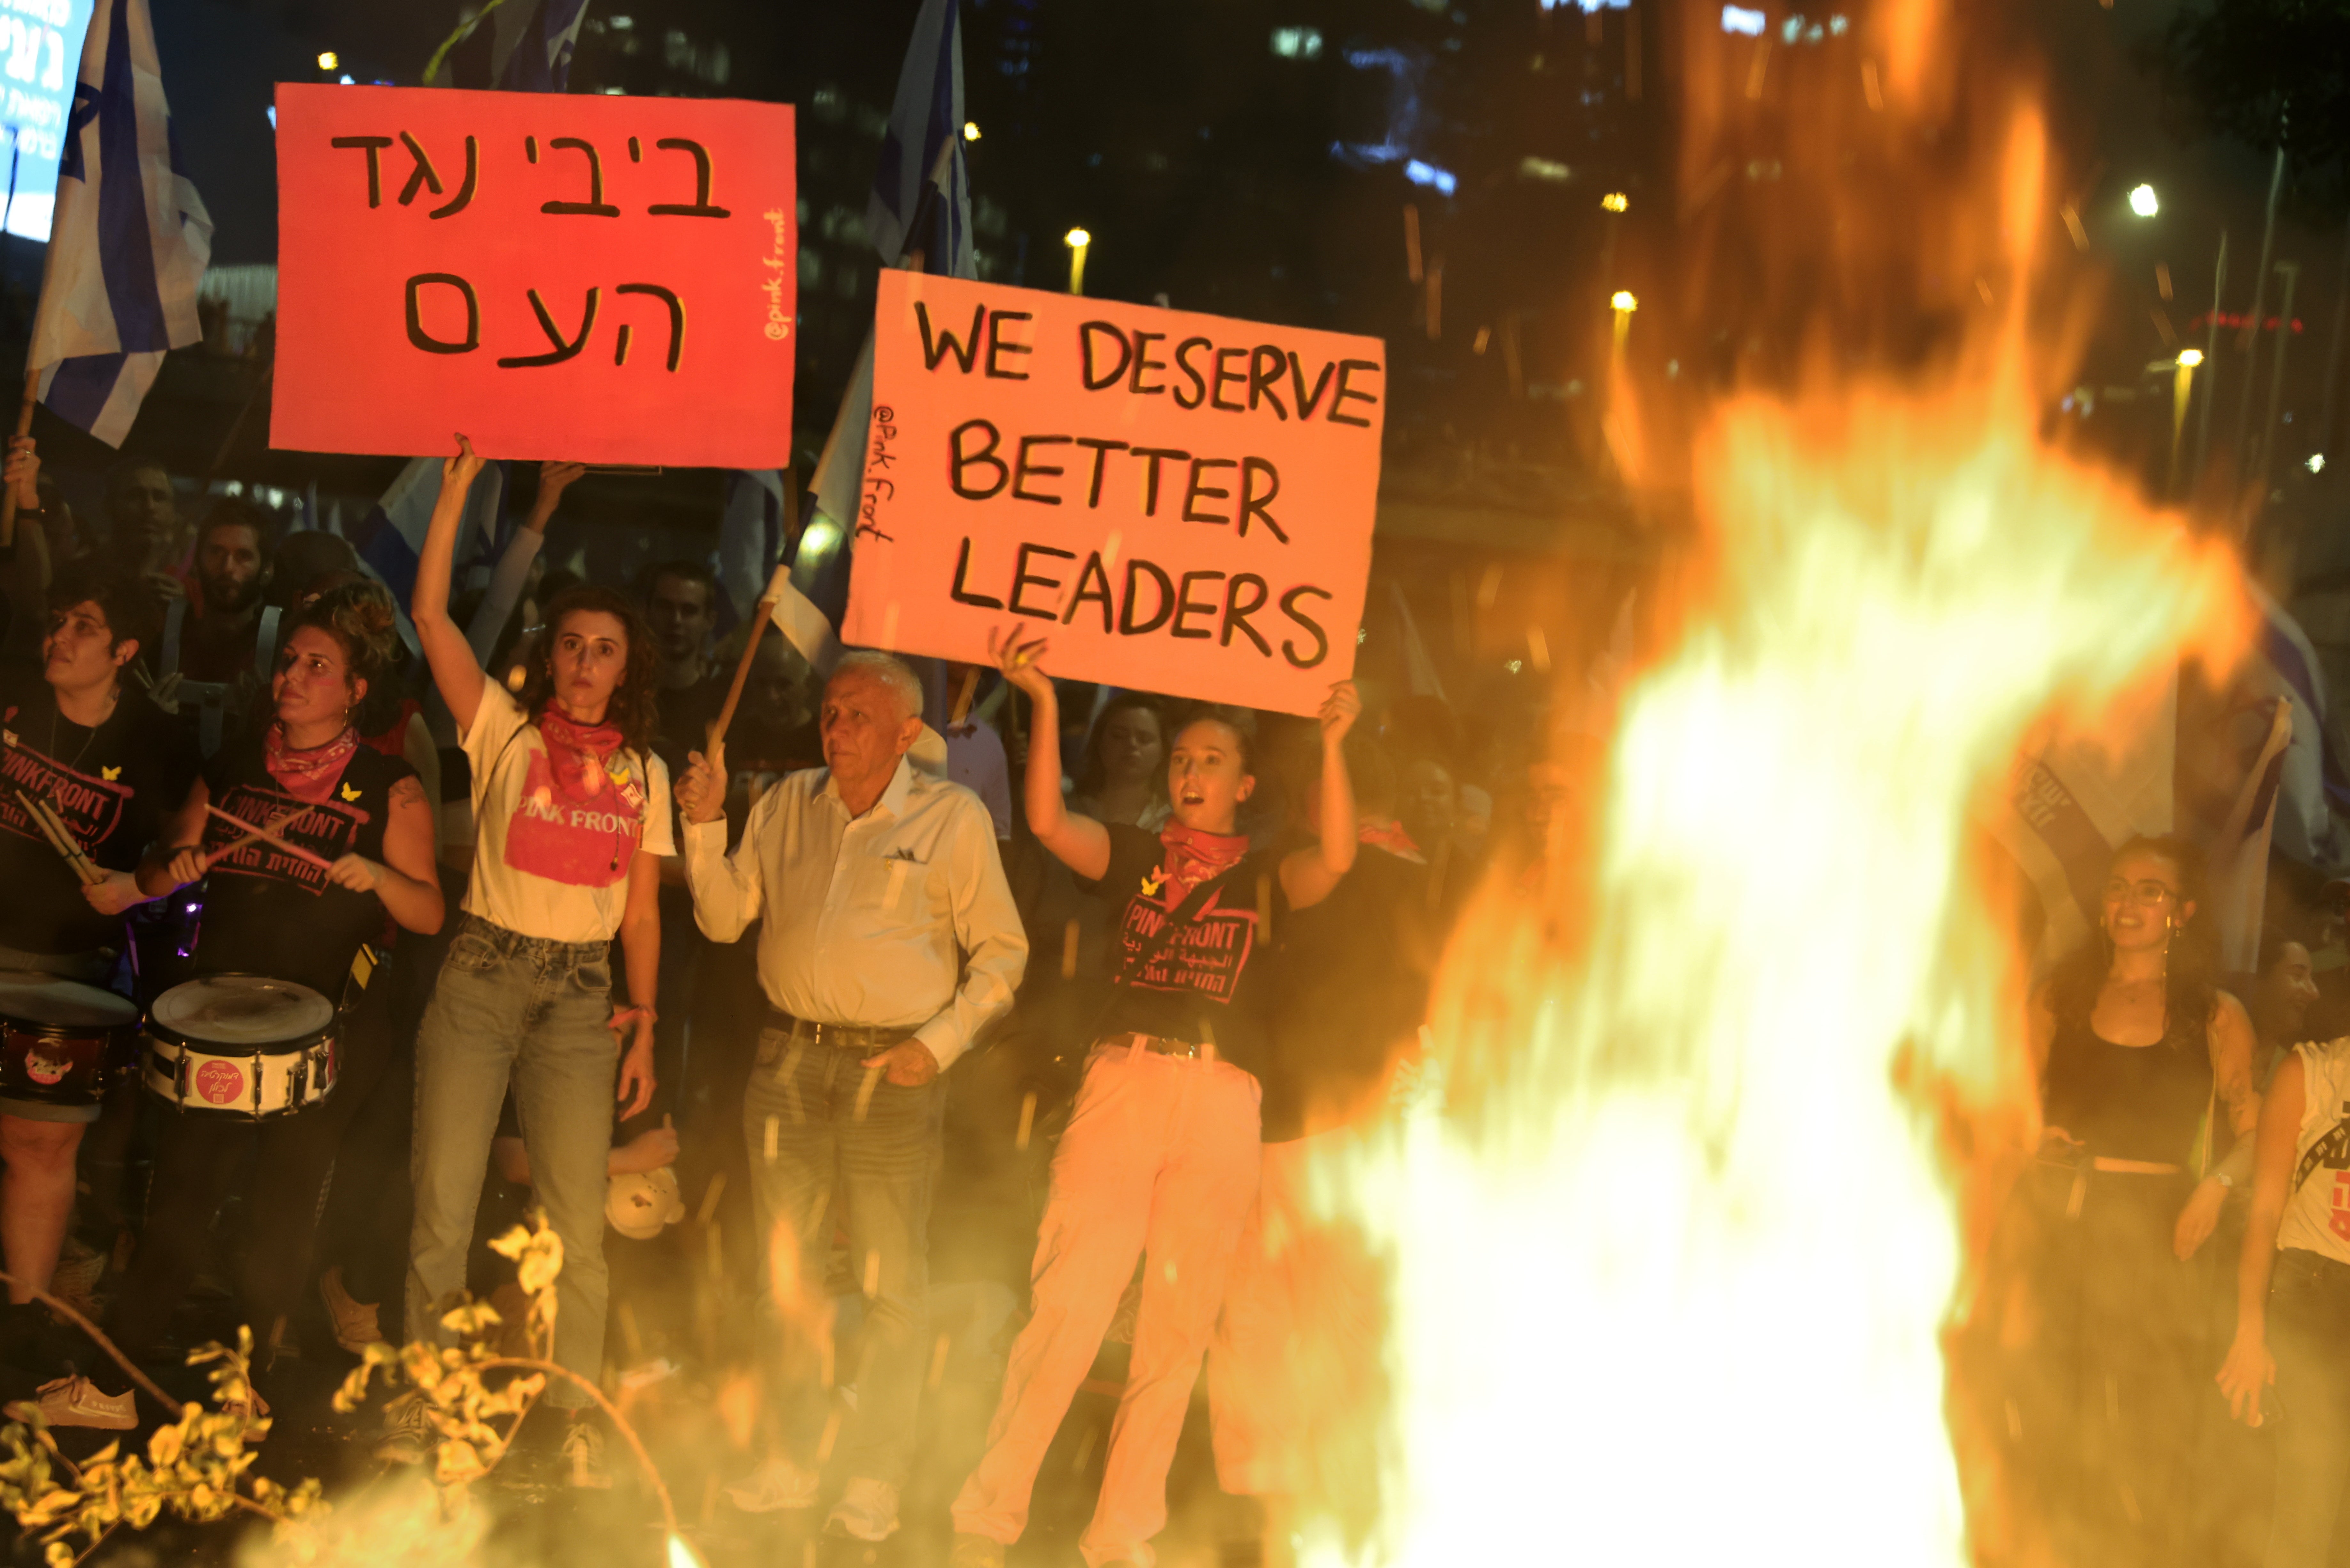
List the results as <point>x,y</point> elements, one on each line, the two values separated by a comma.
<point>1675,1252</point>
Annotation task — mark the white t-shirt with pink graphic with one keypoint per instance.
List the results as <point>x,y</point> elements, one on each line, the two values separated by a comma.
<point>553,862</point>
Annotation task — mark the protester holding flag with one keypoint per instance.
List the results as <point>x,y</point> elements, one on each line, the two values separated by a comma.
<point>1161,1155</point>
<point>889,942</point>
<point>573,812</point>
<point>2133,1042</point>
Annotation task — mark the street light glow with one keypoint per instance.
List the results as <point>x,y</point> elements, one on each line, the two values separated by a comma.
<point>2189,358</point>
<point>1624,301</point>
<point>970,130</point>
<point>2143,201</point>
<point>328,60</point>
<point>1076,239</point>
<point>1615,201</point>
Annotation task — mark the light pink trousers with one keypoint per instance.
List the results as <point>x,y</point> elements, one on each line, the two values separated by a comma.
<point>1159,1161</point>
<point>1297,1390</point>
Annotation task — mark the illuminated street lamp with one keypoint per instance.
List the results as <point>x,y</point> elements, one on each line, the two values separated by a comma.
<point>970,130</point>
<point>2143,201</point>
<point>1078,241</point>
<point>328,60</point>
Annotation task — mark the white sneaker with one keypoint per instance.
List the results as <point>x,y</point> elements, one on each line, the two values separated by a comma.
<point>868,1511</point>
<point>77,1402</point>
<point>777,1484</point>
<point>583,1456</point>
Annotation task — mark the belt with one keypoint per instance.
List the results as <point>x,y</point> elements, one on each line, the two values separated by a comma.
<point>1160,1045</point>
<point>840,1036</point>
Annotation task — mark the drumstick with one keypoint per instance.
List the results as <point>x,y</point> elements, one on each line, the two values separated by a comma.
<point>267,835</point>
<point>52,827</point>
<point>75,856</point>
<point>59,839</point>
<point>247,832</point>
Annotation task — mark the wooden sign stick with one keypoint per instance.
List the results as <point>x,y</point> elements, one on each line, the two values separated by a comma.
<point>761,619</point>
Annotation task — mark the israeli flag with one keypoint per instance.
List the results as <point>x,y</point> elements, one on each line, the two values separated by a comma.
<point>131,238</point>
<point>531,50</point>
<point>749,541</point>
<point>921,153</point>
<point>922,200</point>
<point>391,538</point>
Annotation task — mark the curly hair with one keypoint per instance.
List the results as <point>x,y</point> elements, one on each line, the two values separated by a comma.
<point>2191,982</point>
<point>632,709</point>
<point>360,618</point>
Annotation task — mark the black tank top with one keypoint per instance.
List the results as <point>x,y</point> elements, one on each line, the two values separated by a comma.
<point>267,912</point>
<point>2128,1101</point>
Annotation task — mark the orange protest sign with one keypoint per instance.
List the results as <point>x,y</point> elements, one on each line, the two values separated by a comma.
<point>1178,503</point>
<point>558,276</point>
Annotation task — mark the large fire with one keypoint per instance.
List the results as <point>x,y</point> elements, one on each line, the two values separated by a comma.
<point>1675,1263</point>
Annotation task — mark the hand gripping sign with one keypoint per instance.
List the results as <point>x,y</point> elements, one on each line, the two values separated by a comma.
<point>610,279</point>
<point>1179,502</point>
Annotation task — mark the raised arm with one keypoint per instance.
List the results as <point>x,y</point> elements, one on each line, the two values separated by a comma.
<point>1078,842</point>
<point>455,671</point>
<point>513,569</point>
<point>2250,1367</point>
<point>1308,875</point>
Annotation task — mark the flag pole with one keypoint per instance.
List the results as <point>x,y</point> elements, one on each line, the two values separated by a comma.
<point>23,429</point>
<point>777,583</point>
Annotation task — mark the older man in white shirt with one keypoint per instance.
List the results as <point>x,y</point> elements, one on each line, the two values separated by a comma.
<point>889,941</point>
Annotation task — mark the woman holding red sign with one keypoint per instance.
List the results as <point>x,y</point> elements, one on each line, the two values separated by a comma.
<point>571,809</point>
<point>1161,1158</point>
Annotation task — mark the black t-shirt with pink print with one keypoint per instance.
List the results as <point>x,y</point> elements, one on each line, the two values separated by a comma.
<point>1203,979</point>
<point>110,786</point>
<point>269,912</point>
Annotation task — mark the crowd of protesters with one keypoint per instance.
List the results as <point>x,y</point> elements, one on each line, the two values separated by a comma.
<point>914,961</point>
<point>385,922</point>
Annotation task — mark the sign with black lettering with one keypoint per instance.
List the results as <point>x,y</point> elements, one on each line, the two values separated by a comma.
<point>602,278</point>
<point>1181,503</point>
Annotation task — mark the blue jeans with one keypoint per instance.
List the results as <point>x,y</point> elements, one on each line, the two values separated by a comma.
<point>818,1124</point>
<point>511,1008</point>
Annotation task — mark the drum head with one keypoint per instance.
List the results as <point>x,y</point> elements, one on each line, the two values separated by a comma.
<point>44,999</point>
<point>243,1010</point>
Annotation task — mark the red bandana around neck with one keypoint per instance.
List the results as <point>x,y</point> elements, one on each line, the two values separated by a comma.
<point>1193,857</point>
<point>312,774</point>
<point>577,753</point>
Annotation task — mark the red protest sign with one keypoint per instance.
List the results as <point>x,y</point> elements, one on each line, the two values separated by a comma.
<point>1178,503</point>
<point>611,279</point>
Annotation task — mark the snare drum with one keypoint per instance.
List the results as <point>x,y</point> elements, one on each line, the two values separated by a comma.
<point>241,1045</point>
<point>62,1043</point>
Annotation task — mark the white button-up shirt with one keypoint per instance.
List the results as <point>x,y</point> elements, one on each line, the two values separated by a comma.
<point>899,918</point>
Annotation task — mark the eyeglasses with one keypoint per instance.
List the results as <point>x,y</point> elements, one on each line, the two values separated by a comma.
<point>2147,892</point>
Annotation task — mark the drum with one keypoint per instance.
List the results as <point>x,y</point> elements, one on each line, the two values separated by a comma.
<point>241,1045</point>
<point>62,1043</point>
